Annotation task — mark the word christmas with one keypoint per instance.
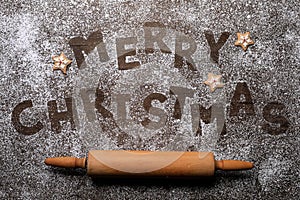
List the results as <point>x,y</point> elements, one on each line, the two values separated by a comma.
<point>241,105</point>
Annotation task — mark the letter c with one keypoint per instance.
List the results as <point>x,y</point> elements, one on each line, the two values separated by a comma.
<point>15,118</point>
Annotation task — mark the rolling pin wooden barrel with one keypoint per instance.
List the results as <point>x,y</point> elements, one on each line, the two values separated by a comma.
<point>149,163</point>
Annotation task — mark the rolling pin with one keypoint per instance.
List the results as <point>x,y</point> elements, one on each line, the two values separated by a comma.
<point>149,163</point>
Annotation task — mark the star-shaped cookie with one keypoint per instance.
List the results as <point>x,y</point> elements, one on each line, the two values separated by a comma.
<point>61,62</point>
<point>214,81</point>
<point>244,40</point>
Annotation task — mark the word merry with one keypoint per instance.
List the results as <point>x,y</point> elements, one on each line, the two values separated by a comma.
<point>154,34</point>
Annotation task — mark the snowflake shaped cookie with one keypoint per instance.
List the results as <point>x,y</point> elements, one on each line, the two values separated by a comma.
<point>61,62</point>
<point>244,40</point>
<point>214,81</point>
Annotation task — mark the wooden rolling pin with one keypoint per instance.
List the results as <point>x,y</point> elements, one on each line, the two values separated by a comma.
<point>149,163</point>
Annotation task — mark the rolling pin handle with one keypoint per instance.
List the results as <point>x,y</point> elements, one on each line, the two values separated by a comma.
<point>66,162</point>
<point>233,165</point>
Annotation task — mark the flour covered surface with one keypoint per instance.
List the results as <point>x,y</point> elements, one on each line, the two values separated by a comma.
<point>219,77</point>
